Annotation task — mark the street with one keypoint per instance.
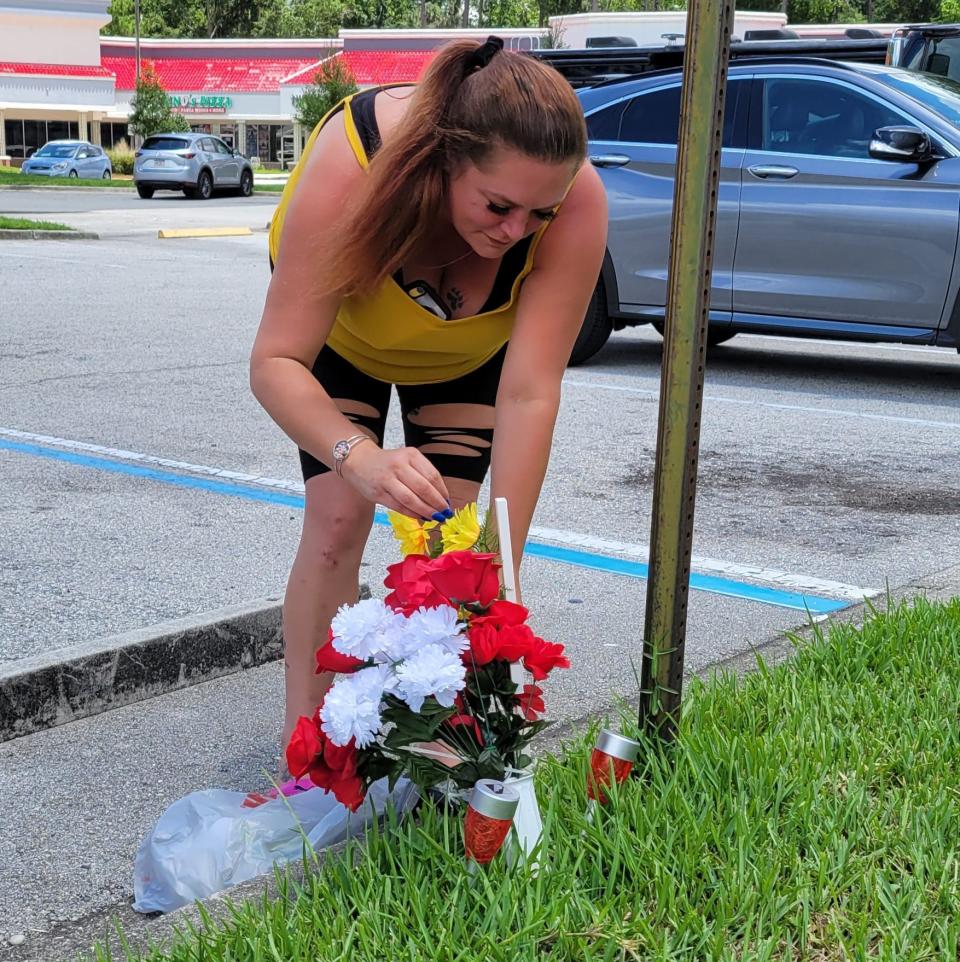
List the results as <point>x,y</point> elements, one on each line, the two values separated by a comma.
<point>827,471</point>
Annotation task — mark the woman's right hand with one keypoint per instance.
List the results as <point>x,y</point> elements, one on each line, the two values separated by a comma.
<point>401,479</point>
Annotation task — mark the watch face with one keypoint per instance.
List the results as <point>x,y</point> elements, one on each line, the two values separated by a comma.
<point>340,450</point>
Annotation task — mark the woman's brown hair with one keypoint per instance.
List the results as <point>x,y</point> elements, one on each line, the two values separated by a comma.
<point>468,103</point>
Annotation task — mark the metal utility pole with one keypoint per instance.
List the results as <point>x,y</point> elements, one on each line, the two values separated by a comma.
<point>709,24</point>
<point>136,27</point>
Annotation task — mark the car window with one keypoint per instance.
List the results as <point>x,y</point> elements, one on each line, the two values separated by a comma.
<point>83,153</point>
<point>819,117</point>
<point>165,143</point>
<point>654,117</point>
<point>207,145</point>
<point>222,147</point>
<point>943,57</point>
<point>605,124</point>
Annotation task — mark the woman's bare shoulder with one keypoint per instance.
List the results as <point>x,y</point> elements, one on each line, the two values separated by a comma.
<point>582,216</point>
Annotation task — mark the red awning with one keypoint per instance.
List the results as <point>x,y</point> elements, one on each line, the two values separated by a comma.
<point>374,67</point>
<point>226,75</point>
<point>53,70</point>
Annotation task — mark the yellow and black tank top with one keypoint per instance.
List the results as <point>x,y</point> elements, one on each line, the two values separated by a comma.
<point>385,333</point>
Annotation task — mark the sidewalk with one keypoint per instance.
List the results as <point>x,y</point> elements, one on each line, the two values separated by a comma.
<point>79,798</point>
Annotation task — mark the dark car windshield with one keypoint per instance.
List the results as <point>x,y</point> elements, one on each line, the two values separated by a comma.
<point>939,94</point>
<point>165,143</point>
<point>56,150</point>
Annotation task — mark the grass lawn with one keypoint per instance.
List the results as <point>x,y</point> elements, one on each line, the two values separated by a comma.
<point>22,223</point>
<point>12,175</point>
<point>810,811</point>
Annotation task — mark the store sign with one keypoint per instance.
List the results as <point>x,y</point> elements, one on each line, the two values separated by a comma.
<point>200,103</point>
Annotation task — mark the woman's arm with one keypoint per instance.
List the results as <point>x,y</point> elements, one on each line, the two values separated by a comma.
<point>553,303</point>
<point>297,319</point>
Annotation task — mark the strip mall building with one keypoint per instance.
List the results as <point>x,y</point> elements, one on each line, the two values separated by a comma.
<point>60,78</point>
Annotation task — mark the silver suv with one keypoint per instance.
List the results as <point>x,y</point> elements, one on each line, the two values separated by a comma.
<point>197,164</point>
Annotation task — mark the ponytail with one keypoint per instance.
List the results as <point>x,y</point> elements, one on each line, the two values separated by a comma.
<point>472,99</point>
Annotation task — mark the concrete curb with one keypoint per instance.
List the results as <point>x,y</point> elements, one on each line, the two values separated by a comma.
<point>122,190</point>
<point>12,234</point>
<point>59,687</point>
<point>52,689</point>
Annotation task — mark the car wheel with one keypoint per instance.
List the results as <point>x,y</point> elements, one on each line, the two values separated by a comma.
<point>715,335</point>
<point>246,184</point>
<point>73,174</point>
<point>596,328</point>
<point>106,174</point>
<point>145,192</point>
<point>204,188</point>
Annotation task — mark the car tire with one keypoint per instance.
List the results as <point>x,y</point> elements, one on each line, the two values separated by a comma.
<point>106,175</point>
<point>145,192</point>
<point>246,184</point>
<point>73,174</point>
<point>715,335</point>
<point>596,328</point>
<point>204,188</point>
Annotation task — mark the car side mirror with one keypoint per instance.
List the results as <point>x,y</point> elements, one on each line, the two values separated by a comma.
<point>908,145</point>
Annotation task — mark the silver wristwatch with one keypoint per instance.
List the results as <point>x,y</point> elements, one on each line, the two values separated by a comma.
<point>343,448</point>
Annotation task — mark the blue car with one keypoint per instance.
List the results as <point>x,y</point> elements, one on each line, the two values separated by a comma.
<point>838,204</point>
<point>69,158</point>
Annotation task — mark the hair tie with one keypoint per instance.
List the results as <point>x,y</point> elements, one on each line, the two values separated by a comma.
<point>480,57</point>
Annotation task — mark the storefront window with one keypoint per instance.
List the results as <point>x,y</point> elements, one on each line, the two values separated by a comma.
<point>59,130</point>
<point>228,134</point>
<point>112,134</point>
<point>13,136</point>
<point>34,136</point>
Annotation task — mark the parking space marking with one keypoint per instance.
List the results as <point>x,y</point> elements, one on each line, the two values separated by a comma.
<point>802,595</point>
<point>774,405</point>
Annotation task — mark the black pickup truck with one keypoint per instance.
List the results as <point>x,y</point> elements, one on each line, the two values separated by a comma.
<point>586,68</point>
<point>927,47</point>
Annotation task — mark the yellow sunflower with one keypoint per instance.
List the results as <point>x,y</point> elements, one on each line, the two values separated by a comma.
<point>460,533</point>
<point>413,535</point>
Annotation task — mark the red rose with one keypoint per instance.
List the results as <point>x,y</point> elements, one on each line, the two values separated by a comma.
<point>412,589</point>
<point>531,702</point>
<point>516,641</point>
<point>336,771</point>
<point>332,767</point>
<point>502,613</point>
<point>484,645</point>
<point>305,744</point>
<point>543,657</point>
<point>465,577</point>
<point>329,659</point>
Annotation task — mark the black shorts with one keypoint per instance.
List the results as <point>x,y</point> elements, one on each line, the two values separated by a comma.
<point>465,450</point>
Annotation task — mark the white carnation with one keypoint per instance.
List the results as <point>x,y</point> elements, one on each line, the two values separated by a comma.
<point>438,626</point>
<point>351,708</point>
<point>430,671</point>
<point>360,630</point>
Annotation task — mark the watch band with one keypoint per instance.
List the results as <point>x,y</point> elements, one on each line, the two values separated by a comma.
<point>343,448</point>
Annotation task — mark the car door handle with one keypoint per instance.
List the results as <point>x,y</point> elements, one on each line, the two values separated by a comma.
<point>763,171</point>
<point>609,160</point>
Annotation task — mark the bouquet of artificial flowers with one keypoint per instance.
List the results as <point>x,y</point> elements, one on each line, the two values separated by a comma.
<point>427,687</point>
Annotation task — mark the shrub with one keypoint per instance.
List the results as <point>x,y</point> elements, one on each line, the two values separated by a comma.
<point>121,157</point>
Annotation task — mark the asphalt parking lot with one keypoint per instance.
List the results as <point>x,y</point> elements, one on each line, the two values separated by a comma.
<point>827,472</point>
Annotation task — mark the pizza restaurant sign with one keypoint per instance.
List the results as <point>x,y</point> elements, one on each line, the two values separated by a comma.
<point>200,103</point>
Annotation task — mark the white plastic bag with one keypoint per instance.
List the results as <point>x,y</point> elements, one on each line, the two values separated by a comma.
<point>208,840</point>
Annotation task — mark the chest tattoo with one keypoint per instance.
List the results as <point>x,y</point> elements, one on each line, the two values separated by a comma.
<point>455,298</point>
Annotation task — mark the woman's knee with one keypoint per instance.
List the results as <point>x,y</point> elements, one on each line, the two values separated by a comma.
<point>336,522</point>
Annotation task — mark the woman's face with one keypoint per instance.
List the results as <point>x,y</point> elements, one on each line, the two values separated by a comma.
<point>505,198</point>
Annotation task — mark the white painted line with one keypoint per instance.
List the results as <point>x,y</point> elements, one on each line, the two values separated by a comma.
<point>123,455</point>
<point>750,402</point>
<point>755,574</point>
<point>802,584</point>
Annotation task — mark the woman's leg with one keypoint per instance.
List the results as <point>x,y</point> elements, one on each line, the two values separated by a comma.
<point>325,575</point>
<point>336,525</point>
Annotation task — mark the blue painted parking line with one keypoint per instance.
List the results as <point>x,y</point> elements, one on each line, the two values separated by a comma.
<point>814,604</point>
